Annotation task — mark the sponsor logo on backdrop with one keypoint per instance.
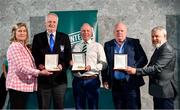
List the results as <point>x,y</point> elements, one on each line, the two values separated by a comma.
<point>75,37</point>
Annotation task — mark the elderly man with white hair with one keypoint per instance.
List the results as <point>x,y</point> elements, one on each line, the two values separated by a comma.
<point>160,69</point>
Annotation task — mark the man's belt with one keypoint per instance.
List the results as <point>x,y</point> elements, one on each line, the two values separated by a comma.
<point>88,77</point>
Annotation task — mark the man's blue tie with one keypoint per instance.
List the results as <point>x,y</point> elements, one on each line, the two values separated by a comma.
<point>51,42</point>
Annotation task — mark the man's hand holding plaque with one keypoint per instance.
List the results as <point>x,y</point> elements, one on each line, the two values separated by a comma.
<point>120,61</point>
<point>79,62</point>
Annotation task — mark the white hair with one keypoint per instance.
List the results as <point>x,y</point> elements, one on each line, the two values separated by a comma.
<point>160,28</point>
<point>53,14</point>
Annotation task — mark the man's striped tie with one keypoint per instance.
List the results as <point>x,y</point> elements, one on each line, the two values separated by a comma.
<point>84,48</point>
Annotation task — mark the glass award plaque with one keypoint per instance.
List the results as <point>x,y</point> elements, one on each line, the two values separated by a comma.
<point>51,62</point>
<point>79,61</point>
<point>120,61</point>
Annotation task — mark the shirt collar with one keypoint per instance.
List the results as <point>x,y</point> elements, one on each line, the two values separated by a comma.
<point>116,43</point>
<point>54,33</point>
<point>88,42</point>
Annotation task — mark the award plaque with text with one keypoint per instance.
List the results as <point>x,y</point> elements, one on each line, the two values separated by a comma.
<point>51,62</point>
<point>79,61</point>
<point>120,61</point>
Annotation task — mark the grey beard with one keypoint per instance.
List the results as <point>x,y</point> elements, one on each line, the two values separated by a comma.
<point>157,45</point>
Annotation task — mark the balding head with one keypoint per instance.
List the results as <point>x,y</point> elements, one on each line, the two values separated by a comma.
<point>51,22</point>
<point>86,32</point>
<point>120,24</point>
<point>120,32</point>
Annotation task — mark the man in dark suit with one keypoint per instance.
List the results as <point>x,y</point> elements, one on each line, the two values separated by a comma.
<point>52,42</point>
<point>160,70</point>
<point>125,88</point>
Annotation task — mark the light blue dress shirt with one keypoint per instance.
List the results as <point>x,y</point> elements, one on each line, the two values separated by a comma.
<point>119,49</point>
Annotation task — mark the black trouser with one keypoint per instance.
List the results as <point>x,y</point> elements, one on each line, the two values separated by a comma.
<point>124,96</point>
<point>56,93</point>
<point>18,99</point>
<point>163,103</point>
<point>3,91</point>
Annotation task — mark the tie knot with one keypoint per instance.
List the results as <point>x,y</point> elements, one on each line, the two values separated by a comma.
<point>85,42</point>
<point>51,35</point>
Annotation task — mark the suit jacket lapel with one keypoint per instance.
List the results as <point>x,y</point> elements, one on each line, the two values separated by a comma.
<point>57,44</point>
<point>45,42</point>
<point>126,47</point>
<point>154,57</point>
<point>112,51</point>
<point>45,39</point>
<point>156,53</point>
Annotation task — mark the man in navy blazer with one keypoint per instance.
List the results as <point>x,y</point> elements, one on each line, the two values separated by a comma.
<point>53,86</point>
<point>161,70</point>
<point>125,88</point>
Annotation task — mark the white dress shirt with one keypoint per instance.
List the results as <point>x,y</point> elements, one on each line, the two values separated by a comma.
<point>48,36</point>
<point>95,57</point>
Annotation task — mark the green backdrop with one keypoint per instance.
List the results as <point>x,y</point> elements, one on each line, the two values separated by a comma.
<point>70,23</point>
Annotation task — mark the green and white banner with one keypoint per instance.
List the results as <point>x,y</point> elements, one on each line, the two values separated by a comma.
<point>70,23</point>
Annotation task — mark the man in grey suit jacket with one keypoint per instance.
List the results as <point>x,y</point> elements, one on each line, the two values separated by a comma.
<point>161,70</point>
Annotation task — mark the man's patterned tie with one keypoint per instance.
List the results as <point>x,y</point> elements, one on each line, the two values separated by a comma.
<point>84,48</point>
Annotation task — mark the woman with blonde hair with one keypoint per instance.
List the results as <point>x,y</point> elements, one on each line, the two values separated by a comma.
<point>22,73</point>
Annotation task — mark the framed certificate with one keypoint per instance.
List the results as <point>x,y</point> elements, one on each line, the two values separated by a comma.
<point>79,61</point>
<point>120,61</point>
<point>51,62</point>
